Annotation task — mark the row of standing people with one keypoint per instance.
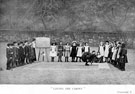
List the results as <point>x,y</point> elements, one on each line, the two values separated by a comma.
<point>114,53</point>
<point>74,51</point>
<point>20,53</point>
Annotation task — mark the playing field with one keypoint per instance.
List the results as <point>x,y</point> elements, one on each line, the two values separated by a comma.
<point>67,73</point>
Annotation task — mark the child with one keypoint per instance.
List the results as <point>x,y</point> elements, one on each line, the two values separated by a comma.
<point>106,50</point>
<point>60,52</point>
<point>93,57</point>
<point>118,54</point>
<point>15,55</point>
<point>9,55</point>
<point>34,49</point>
<point>114,53</point>
<point>53,52</point>
<point>110,52</point>
<point>26,51</point>
<point>86,48</point>
<point>21,54</point>
<point>123,57</point>
<point>101,52</point>
<point>79,52</point>
<point>67,52</point>
<point>73,51</point>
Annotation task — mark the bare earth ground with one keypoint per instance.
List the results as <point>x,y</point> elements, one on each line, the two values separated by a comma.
<point>67,73</point>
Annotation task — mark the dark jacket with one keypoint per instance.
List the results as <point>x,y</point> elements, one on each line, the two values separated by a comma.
<point>60,50</point>
<point>123,56</point>
<point>9,53</point>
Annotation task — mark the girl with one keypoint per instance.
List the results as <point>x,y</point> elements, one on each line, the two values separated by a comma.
<point>114,53</point>
<point>101,52</point>
<point>106,50</point>
<point>73,51</point>
<point>53,52</point>
<point>79,52</point>
<point>60,52</point>
<point>67,52</point>
<point>86,48</point>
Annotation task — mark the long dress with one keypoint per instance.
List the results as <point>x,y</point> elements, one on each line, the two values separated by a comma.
<point>106,50</point>
<point>53,51</point>
<point>73,51</point>
<point>101,50</point>
<point>114,51</point>
<point>79,51</point>
<point>67,51</point>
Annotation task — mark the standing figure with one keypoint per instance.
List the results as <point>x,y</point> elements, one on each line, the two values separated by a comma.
<point>73,51</point>
<point>9,55</point>
<point>30,52</point>
<point>79,52</point>
<point>67,52</point>
<point>21,54</point>
<point>86,48</point>
<point>106,50</point>
<point>114,53</point>
<point>60,52</point>
<point>110,52</point>
<point>101,52</point>
<point>26,51</point>
<point>118,54</point>
<point>15,55</point>
<point>123,57</point>
<point>34,49</point>
<point>53,52</point>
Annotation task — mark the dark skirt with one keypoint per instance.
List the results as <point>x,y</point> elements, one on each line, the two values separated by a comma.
<point>123,59</point>
<point>73,52</point>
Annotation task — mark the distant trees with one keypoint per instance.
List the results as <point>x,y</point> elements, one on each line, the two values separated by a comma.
<point>78,13</point>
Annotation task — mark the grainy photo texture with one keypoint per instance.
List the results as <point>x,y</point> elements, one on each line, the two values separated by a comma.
<point>67,42</point>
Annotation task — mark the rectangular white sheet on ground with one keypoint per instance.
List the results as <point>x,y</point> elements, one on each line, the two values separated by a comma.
<point>103,66</point>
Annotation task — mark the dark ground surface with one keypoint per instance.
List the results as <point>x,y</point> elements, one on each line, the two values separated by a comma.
<point>67,73</point>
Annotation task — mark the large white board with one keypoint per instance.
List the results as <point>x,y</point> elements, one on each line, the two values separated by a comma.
<point>42,42</point>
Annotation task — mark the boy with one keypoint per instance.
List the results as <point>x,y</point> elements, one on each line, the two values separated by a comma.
<point>26,51</point>
<point>9,55</point>
<point>21,54</point>
<point>15,55</point>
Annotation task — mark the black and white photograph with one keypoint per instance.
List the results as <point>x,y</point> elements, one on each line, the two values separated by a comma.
<point>67,42</point>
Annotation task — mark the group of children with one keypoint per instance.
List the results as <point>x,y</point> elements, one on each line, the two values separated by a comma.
<point>74,51</point>
<point>111,52</point>
<point>114,53</point>
<point>20,53</point>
